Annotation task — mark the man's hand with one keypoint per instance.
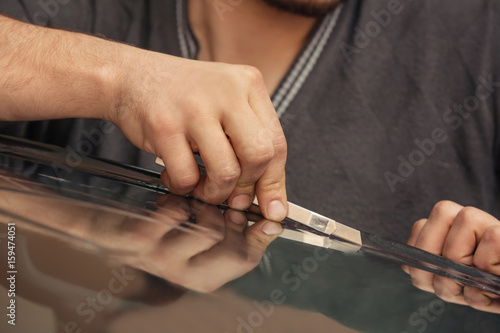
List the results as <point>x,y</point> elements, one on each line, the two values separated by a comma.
<point>172,107</point>
<point>165,105</point>
<point>464,234</point>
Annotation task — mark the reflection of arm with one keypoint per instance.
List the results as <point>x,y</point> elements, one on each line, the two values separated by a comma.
<point>42,208</point>
<point>219,249</point>
<point>104,225</point>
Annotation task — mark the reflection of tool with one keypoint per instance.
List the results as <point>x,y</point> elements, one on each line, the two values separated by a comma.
<point>311,228</point>
<point>322,229</point>
<point>318,226</point>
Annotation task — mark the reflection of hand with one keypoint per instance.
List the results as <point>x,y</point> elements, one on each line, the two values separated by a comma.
<point>195,260</point>
<point>464,234</point>
<point>202,256</point>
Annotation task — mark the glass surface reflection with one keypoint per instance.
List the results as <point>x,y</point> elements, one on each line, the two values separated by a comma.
<point>105,248</point>
<point>184,241</point>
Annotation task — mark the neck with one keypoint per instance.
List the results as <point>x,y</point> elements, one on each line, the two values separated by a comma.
<point>250,33</point>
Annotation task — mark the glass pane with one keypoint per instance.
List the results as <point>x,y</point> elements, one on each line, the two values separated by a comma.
<point>101,247</point>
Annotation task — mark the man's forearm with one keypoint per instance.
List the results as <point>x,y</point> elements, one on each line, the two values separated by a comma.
<point>47,73</point>
<point>166,105</point>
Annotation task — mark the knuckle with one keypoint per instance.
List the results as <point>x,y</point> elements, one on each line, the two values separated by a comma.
<point>205,287</point>
<point>280,144</point>
<point>165,127</point>
<point>277,184</point>
<point>419,283</point>
<point>421,279</point>
<point>185,182</point>
<point>467,217</point>
<point>262,155</point>
<point>443,208</point>
<point>148,146</point>
<point>173,277</point>
<point>492,235</point>
<point>258,155</point>
<point>446,289</point>
<point>418,225</point>
<point>253,74</point>
<point>489,260</point>
<point>134,232</point>
<point>212,193</point>
<point>475,298</point>
<point>475,304</point>
<point>443,294</point>
<point>280,148</point>
<point>194,106</point>
<point>229,174</point>
<point>481,262</point>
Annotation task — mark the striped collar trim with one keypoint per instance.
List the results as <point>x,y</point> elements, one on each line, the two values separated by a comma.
<point>187,41</point>
<point>304,64</point>
<point>299,71</point>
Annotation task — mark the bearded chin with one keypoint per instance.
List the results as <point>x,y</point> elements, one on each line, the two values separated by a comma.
<point>309,8</point>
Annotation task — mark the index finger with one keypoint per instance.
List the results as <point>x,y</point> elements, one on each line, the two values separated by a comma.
<point>271,187</point>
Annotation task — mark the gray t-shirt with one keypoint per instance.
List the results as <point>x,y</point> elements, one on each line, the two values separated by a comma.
<point>390,107</point>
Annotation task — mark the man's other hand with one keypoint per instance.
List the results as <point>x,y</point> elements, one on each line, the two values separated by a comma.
<point>464,234</point>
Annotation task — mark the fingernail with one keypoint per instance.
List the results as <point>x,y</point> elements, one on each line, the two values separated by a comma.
<point>272,228</point>
<point>240,202</point>
<point>276,210</point>
<point>237,217</point>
